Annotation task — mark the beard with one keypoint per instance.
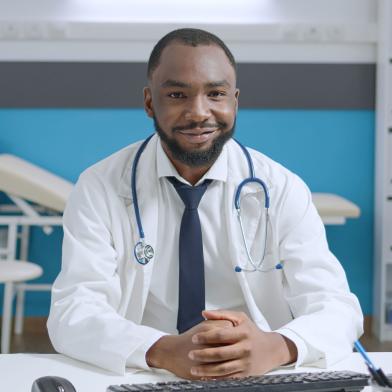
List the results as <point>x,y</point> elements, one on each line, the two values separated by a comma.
<point>195,158</point>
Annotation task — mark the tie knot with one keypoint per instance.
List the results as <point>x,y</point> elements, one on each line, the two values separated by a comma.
<point>190,195</point>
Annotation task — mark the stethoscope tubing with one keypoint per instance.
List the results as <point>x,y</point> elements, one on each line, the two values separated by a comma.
<point>133,186</point>
<point>143,257</point>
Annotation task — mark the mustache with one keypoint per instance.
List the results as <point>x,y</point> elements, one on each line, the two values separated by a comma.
<point>194,125</point>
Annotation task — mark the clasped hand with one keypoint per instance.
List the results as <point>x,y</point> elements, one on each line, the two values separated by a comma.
<point>227,344</point>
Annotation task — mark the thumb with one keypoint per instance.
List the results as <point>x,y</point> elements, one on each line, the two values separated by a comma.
<point>235,317</point>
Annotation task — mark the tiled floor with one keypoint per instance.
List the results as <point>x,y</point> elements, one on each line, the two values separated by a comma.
<point>35,339</point>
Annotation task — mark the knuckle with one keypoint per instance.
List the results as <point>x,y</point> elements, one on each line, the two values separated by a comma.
<point>243,336</point>
<point>195,355</point>
<point>205,355</point>
<point>249,366</point>
<point>204,326</point>
<point>218,354</point>
<point>246,349</point>
<point>223,369</point>
<point>227,323</point>
<point>246,334</point>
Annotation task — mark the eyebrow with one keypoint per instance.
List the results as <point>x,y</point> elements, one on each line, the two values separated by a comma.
<point>219,83</point>
<point>177,83</point>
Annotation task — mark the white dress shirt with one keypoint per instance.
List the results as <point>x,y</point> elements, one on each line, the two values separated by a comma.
<point>222,290</point>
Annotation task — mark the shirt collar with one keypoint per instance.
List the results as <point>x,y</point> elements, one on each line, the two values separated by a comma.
<point>218,171</point>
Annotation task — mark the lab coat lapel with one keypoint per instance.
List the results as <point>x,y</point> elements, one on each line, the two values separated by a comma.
<point>238,171</point>
<point>147,189</point>
<point>147,192</point>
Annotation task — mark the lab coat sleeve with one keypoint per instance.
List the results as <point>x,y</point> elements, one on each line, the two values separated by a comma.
<point>327,316</point>
<point>84,322</point>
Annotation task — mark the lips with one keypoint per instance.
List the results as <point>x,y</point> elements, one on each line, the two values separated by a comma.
<point>198,135</point>
<point>197,131</point>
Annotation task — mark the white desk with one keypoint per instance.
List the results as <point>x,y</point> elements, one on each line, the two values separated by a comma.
<point>18,371</point>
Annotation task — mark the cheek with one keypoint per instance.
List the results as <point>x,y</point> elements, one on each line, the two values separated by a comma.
<point>167,117</point>
<point>227,113</point>
<point>166,111</point>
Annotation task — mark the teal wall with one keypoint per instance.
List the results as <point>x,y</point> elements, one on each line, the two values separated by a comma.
<point>332,150</point>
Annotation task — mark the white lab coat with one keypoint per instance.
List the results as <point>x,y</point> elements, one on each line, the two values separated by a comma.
<point>99,296</point>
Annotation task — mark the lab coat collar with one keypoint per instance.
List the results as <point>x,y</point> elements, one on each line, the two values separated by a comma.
<point>144,176</point>
<point>227,168</point>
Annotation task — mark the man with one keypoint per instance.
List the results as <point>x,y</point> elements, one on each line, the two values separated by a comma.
<point>113,307</point>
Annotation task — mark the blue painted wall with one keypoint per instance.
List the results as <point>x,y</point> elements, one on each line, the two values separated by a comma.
<point>331,150</point>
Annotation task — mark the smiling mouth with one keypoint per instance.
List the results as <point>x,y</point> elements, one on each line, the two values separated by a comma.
<point>197,131</point>
<point>197,136</point>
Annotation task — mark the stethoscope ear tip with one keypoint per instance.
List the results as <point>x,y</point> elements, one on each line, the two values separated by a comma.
<point>237,269</point>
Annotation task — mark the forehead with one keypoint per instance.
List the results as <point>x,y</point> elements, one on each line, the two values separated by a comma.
<point>193,64</point>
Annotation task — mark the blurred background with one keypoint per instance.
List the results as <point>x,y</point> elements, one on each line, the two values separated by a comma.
<point>316,87</point>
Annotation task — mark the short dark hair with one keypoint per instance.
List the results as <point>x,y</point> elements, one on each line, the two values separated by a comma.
<point>190,37</point>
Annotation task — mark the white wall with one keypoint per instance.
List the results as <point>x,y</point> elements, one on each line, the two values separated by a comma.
<point>227,11</point>
<point>125,30</point>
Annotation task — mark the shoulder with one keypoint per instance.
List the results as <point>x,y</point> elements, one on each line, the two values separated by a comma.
<point>274,174</point>
<point>288,193</point>
<point>105,180</point>
<point>113,166</point>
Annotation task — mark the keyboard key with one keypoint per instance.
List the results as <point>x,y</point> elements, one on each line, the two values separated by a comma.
<point>293,382</point>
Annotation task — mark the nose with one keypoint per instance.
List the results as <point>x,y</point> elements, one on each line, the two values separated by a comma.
<point>198,109</point>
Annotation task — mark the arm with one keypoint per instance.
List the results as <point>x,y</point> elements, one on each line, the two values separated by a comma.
<point>86,318</point>
<point>315,284</point>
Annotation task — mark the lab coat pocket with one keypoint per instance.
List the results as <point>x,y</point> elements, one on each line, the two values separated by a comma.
<point>268,294</point>
<point>257,226</point>
<point>252,214</point>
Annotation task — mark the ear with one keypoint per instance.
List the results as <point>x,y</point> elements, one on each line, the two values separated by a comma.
<point>236,96</point>
<point>148,102</point>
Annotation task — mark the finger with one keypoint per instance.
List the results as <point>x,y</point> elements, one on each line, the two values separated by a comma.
<point>231,376</point>
<point>219,336</point>
<point>212,323</point>
<point>216,370</point>
<point>219,354</point>
<point>235,317</point>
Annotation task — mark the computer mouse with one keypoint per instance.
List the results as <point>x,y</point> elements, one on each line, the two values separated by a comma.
<point>52,384</point>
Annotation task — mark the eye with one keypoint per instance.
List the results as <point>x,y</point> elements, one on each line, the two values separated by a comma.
<point>216,94</point>
<point>176,94</point>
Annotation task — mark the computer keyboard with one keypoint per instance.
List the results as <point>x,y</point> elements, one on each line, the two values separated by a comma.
<point>329,381</point>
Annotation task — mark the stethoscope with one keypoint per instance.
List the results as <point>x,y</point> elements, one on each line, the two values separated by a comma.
<point>144,252</point>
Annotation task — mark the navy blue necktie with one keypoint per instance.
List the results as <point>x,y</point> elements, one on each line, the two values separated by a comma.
<point>191,294</point>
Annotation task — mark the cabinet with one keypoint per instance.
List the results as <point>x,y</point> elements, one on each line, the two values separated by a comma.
<point>382,325</point>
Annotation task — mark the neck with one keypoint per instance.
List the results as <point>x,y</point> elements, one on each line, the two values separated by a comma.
<point>192,175</point>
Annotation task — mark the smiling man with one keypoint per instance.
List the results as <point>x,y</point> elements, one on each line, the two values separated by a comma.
<point>159,272</point>
<point>192,93</point>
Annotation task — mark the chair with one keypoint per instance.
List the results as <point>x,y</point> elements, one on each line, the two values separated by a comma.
<point>11,272</point>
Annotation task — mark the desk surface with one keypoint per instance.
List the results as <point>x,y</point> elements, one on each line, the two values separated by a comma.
<point>18,371</point>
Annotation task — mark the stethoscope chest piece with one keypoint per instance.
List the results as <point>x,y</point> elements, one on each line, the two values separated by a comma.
<point>143,253</point>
